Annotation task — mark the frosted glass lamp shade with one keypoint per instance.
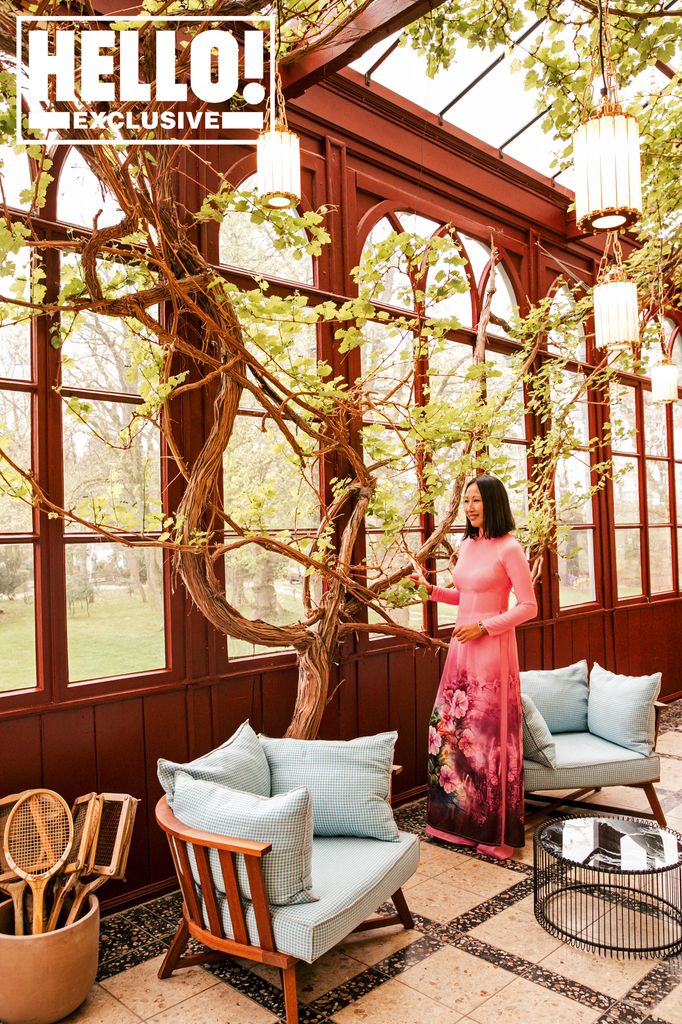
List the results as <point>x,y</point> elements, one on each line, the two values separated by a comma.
<point>278,179</point>
<point>664,382</point>
<point>608,184</point>
<point>616,316</point>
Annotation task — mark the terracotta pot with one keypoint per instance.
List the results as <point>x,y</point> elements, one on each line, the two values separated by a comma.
<point>45,977</point>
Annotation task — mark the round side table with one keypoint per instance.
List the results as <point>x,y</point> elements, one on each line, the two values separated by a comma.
<point>610,885</point>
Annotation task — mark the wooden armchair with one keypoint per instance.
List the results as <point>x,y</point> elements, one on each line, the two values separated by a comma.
<point>182,839</point>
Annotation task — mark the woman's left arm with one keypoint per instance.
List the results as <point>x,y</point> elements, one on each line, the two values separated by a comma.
<point>516,564</point>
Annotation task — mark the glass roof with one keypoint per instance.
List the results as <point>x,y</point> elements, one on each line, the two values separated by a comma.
<point>492,103</point>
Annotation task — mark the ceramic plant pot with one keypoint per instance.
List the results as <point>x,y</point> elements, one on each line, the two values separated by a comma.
<point>45,977</point>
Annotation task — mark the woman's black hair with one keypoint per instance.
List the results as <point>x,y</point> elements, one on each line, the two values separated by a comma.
<point>497,514</point>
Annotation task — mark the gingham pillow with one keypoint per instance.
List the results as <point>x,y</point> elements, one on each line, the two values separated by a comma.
<point>349,781</point>
<point>560,695</point>
<point>239,763</point>
<point>285,820</point>
<point>621,708</point>
<point>538,744</point>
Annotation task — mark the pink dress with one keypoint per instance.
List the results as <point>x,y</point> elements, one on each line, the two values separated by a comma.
<point>475,740</point>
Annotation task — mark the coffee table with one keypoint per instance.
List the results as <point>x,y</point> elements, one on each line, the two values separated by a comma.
<point>610,885</point>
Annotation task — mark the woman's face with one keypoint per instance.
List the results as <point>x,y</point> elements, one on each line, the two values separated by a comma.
<point>473,506</point>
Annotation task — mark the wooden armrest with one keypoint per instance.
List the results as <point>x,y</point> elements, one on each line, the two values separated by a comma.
<point>396,769</point>
<point>659,705</point>
<point>169,823</point>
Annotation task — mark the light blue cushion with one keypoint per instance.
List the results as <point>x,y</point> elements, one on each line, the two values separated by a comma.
<point>239,764</point>
<point>286,821</point>
<point>537,739</point>
<point>349,781</point>
<point>621,708</point>
<point>583,761</point>
<point>352,878</point>
<point>560,695</point>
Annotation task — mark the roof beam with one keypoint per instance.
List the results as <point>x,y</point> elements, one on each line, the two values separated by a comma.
<point>377,21</point>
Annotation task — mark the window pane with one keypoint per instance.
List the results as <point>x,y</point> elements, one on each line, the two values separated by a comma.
<point>565,385</point>
<point>448,365</point>
<point>15,174</point>
<point>15,322</point>
<point>660,561</point>
<point>625,490</point>
<point>263,486</point>
<point>571,340</point>
<point>387,360</point>
<point>513,472</point>
<point>678,490</point>
<point>115,619</point>
<point>677,423</point>
<point>499,383</point>
<point>655,426</point>
<point>623,418</point>
<point>679,559</point>
<point>504,304</point>
<point>395,288</point>
<point>657,496</point>
<point>458,303</point>
<point>264,585</point>
<point>395,502</point>
<point>576,569</point>
<point>628,563</point>
<point>572,484</point>
<point>253,246</point>
<point>16,515</point>
<point>103,352</point>
<point>447,613</point>
<point>17,617</point>
<point>112,471</point>
<point>383,559</point>
<point>81,196</point>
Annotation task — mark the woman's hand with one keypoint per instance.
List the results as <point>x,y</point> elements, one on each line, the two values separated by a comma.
<point>471,631</point>
<point>417,578</point>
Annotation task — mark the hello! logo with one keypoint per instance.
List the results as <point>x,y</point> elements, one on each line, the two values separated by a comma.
<point>144,81</point>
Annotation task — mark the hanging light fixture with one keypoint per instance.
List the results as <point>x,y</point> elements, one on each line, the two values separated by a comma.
<point>278,155</point>
<point>606,157</point>
<point>616,313</point>
<point>664,381</point>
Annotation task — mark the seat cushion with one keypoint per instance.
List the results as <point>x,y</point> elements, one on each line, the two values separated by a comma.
<point>349,781</point>
<point>352,877</point>
<point>538,744</point>
<point>560,695</point>
<point>585,760</point>
<point>621,708</point>
<point>239,764</point>
<point>286,821</point>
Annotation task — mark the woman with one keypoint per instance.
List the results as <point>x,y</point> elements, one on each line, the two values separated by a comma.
<point>475,747</point>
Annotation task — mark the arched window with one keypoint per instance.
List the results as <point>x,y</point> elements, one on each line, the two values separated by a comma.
<point>253,246</point>
<point>81,197</point>
<point>504,304</point>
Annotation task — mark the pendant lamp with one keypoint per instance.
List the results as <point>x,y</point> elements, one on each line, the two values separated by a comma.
<point>664,381</point>
<point>278,159</point>
<point>616,311</point>
<point>606,155</point>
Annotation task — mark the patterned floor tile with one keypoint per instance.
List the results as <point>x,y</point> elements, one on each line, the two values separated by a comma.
<point>396,1002</point>
<point>101,1008</point>
<point>140,990</point>
<point>456,979</point>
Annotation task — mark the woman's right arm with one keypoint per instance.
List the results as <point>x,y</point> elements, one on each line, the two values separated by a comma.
<point>444,595</point>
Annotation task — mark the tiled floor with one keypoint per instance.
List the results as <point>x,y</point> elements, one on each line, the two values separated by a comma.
<point>476,954</point>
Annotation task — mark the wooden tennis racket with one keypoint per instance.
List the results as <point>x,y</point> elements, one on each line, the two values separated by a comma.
<point>9,880</point>
<point>85,813</point>
<point>112,848</point>
<point>38,839</point>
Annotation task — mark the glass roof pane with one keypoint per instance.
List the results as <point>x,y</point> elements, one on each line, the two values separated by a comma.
<point>479,256</point>
<point>364,63</point>
<point>535,149</point>
<point>495,108</point>
<point>418,225</point>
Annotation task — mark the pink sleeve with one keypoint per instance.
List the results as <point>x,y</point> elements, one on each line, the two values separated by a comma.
<point>516,565</point>
<point>445,595</point>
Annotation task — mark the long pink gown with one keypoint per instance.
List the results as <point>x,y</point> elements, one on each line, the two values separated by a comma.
<point>475,739</point>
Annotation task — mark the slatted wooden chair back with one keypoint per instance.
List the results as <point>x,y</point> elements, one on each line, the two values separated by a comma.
<point>182,840</point>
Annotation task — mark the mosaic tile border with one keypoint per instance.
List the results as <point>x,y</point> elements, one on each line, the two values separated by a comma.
<point>133,936</point>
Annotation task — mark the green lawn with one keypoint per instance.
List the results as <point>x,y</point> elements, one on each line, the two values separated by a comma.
<point>119,634</point>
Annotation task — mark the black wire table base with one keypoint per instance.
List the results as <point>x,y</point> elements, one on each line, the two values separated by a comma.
<point>592,898</point>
